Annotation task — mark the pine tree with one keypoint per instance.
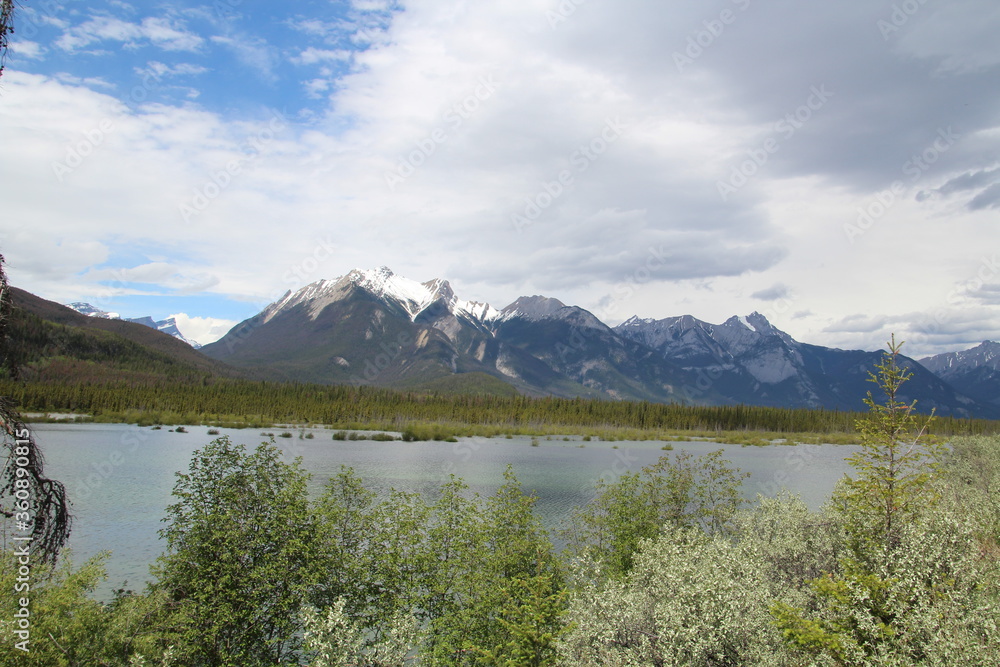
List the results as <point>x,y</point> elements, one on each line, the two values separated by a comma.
<point>864,606</point>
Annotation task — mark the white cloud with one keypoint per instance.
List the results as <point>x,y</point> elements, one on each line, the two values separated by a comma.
<point>312,56</point>
<point>161,32</point>
<point>160,70</point>
<point>252,51</point>
<point>317,87</point>
<point>203,330</point>
<point>26,49</point>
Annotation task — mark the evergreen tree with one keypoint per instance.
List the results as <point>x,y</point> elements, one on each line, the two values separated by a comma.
<point>867,606</point>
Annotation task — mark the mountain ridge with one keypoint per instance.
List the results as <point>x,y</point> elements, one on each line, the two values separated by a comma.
<point>975,371</point>
<point>167,326</point>
<point>372,326</point>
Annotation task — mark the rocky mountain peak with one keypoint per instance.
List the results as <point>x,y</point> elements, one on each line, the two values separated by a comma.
<point>533,308</point>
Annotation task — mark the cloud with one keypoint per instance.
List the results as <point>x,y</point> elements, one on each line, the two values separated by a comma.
<point>312,56</point>
<point>163,275</point>
<point>86,82</point>
<point>859,323</point>
<point>203,330</point>
<point>925,333</point>
<point>26,49</point>
<point>987,294</point>
<point>988,198</point>
<point>161,32</point>
<point>971,180</point>
<point>317,87</point>
<point>985,181</point>
<point>159,70</point>
<point>253,51</point>
<point>772,293</point>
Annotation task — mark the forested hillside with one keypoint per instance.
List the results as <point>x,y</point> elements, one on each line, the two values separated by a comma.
<point>52,343</point>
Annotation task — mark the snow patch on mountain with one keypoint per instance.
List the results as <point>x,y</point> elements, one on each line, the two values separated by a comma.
<point>412,296</point>
<point>91,311</point>
<point>532,308</point>
<point>986,354</point>
<point>317,296</point>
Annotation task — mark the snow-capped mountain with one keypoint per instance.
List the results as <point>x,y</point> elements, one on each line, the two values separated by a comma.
<point>751,361</point>
<point>974,372</point>
<point>91,311</point>
<point>410,296</point>
<point>167,326</point>
<point>374,327</point>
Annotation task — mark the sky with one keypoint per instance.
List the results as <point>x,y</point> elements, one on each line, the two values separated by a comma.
<point>832,165</point>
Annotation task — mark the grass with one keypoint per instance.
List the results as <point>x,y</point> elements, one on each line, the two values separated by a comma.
<point>447,431</point>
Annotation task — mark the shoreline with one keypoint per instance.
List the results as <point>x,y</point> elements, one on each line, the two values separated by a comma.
<point>451,431</point>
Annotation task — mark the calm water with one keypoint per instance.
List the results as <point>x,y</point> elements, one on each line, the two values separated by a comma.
<point>120,477</point>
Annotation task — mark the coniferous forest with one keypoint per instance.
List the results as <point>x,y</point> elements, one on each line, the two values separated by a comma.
<point>235,402</point>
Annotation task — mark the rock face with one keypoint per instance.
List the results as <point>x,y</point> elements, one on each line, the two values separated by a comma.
<point>749,360</point>
<point>374,327</point>
<point>974,372</point>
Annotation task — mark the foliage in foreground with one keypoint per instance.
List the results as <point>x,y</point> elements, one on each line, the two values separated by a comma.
<point>665,567</point>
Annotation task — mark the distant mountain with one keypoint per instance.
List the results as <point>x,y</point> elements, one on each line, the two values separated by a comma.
<point>167,326</point>
<point>974,372</point>
<point>375,327</point>
<point>748,360</point>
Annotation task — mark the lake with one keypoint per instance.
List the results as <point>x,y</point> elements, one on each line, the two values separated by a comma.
<point>119,477</point>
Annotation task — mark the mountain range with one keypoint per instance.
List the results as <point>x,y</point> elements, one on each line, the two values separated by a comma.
<point>375,327</point>
<point>973,372</point>
<point>167,326</point>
